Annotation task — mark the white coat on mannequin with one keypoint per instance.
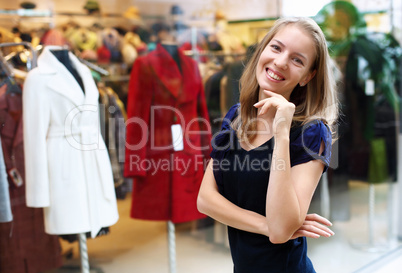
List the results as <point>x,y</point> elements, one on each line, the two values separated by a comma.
<point>68,170</point>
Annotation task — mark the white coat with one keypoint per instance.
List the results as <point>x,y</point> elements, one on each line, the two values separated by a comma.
<point>68,170</point>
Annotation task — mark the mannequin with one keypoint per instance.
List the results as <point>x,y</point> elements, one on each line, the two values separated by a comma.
<point>172,49</point>
<point>77,195</point>
<point>154,81</point>
<point>168,41</point>
<point>229,42</point>
<point>166,194</point>
<point>62,56</point>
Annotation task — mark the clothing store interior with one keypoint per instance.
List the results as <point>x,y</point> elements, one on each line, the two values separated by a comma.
<point>80,187</point>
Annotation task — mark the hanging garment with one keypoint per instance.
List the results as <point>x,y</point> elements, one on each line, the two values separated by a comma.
<point>24,245</point>
<point>82,39</point>
<point>5,206</point>
<point>213,97</point>
<point>54,37</point>
<point>6,36</point>
<point>114,134</point>
<point>68,170</point>
<point>160,96</point>
<point>370,117</point>
<point>111,39</point>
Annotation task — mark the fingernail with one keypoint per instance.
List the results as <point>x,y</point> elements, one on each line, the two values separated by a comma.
<point>330,233</point>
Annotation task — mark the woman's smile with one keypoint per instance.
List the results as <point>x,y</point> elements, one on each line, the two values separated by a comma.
<point>274,75</point>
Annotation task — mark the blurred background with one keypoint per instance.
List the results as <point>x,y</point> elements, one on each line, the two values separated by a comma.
<point>361,193</point>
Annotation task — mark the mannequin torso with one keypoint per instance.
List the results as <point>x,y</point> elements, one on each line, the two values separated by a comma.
<point>62,56</point>
<point>172,49</point>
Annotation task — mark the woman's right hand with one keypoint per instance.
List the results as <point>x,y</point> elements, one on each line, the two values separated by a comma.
<point>314,226</point>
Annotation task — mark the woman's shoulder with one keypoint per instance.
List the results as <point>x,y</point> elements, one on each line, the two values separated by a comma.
<point>230,116</point>
<point>233,111</point>
<point>306,140</point>
<point>310,130</point>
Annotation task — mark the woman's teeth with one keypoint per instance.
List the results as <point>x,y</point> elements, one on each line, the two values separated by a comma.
<point>274,76</point>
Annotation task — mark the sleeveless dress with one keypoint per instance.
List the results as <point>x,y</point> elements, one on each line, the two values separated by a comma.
<point>243,176</point>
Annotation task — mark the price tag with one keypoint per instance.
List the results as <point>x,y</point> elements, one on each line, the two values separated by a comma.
<point>369,87</point>
<point>177,137</point>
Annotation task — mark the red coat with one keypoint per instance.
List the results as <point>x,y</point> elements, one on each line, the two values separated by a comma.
<point>166,181</point>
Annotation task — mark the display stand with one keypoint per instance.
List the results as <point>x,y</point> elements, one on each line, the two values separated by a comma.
<point>325,198</point>
<point>171,246</point>
<point>398,187</point>
<point>83,253</point>
<point>84,266</point>
<point>399,184</point>
<point>371,245</point>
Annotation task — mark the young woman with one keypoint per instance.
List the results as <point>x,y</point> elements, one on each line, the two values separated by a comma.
<point>273,147</point>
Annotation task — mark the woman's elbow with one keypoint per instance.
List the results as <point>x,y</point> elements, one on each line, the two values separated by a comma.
<point>281,234</point>
<point>202,204</point>
<point>278,238</point>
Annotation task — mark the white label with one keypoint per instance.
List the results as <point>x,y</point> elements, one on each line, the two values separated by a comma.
<point>177,137</point>
<point>369,88</point>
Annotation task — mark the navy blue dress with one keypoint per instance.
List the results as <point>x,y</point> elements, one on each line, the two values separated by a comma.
<point>242,177</point>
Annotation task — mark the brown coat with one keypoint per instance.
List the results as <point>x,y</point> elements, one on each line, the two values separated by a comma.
<point>24,245</point>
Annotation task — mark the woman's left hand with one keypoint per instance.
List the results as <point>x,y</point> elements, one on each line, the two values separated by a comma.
<point>314,226</point>
<point>279,109</point>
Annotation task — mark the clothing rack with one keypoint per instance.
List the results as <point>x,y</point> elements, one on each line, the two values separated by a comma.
<point>94,67</point>
<point>85,268</point>
<point>34,58</point>
<point>5,66</point>
<point>208,53</point>
<point>87,63</point>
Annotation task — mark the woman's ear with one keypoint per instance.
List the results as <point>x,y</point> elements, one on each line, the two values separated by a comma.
<point>308,78</point>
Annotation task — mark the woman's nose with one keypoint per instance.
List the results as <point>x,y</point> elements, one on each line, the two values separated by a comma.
<point>281,61</point>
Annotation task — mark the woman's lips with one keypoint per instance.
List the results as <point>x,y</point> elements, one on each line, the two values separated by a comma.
<point>274,75</point>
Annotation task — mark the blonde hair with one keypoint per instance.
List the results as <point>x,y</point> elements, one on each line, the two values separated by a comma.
<point>316,100</point>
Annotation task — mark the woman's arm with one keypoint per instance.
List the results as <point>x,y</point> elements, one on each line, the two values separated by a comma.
<point>213,204</point>
<point>290,189</point>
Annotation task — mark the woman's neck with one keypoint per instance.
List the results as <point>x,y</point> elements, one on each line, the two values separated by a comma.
<point>262,95</point>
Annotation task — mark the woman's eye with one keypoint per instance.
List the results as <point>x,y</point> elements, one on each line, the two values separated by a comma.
<point>275,47</point>
<point>297,60</point>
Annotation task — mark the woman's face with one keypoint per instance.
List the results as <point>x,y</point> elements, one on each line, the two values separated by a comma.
<point>286,61</point>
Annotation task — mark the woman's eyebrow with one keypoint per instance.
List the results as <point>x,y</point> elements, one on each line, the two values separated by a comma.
<point>297,53</point>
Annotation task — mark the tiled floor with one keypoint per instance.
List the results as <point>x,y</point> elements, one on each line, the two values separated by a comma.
<point>390,263</point>
<point>141,246</point>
